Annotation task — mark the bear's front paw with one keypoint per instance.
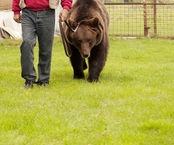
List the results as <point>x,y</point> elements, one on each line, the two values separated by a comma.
<point>92,79</point>
<point>79,76</point>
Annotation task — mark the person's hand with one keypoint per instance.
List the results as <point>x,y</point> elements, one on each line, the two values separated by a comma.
<point>17,18</point>
<point>63,14</point>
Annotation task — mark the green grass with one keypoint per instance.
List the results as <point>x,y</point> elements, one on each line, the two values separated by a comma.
<point>133,104</point>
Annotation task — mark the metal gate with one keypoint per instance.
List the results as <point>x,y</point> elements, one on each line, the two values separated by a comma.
<point>141,19</point>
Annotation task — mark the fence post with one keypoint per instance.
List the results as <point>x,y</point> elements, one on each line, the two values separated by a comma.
<point>145,18</point>
<point>155,27</point>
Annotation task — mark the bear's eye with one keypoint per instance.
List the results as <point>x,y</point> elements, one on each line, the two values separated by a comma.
<point>79,41</point>
<point>90,42</point>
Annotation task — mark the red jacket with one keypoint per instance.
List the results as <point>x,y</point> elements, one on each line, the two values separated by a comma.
<point>37,5</point>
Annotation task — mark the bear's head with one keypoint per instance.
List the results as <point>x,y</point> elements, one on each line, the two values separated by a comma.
<point>85,36</point>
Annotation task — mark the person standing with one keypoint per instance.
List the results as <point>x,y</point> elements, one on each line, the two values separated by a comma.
<point>37,18</point>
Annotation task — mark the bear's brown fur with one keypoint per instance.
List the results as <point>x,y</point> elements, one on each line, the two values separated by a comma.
<point>87,35</point>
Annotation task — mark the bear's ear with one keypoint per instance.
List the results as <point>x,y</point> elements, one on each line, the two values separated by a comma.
<point>94,22</point>
<point>72,24</point>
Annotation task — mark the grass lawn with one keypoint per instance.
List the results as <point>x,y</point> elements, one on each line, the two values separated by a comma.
<point>133,104</point>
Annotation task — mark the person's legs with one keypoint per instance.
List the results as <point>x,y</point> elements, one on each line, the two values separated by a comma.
<point>27,46</point>
<point>45,31</point>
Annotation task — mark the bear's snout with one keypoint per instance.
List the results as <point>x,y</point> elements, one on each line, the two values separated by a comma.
<point>86,55</point>
<point>85,50</point>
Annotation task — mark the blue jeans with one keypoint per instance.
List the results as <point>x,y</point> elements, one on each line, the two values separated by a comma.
<point>39,25</point>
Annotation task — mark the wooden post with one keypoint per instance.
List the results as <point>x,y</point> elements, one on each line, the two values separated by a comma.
<point>145,19</point>
<point>155,25</point>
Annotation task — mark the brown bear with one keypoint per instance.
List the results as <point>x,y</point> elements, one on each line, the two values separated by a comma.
<point>86,31</point>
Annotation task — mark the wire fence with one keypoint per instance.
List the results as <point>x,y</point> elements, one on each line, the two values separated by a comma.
<point>141,19</point>
<point>136,18</point>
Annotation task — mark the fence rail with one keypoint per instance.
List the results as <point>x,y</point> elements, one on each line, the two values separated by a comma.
<point>141,19</point>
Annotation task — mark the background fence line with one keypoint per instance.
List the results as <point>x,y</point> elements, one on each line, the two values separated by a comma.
<point>141,19</point>
<point>135,18</point>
